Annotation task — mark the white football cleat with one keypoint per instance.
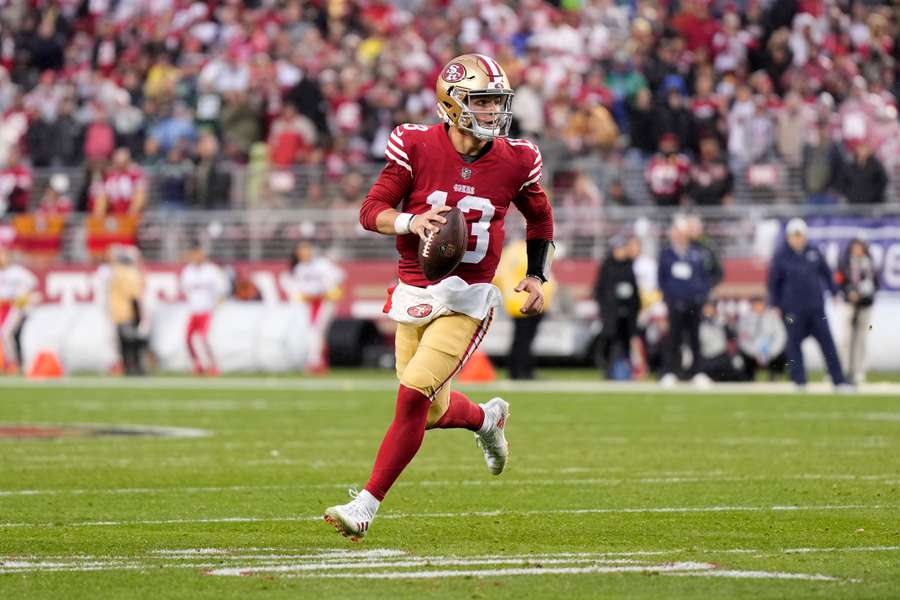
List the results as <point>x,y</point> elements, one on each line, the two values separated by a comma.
<point>493,440</point>
<point>702,381</point>
<point>669,381</point>
<point>353,519</point>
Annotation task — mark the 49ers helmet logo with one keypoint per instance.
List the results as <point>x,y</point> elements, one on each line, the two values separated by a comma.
<point>419,311</point>
<point>453,73</point>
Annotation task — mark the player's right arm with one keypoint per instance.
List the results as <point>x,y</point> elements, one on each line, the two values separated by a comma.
<point>394,184</point>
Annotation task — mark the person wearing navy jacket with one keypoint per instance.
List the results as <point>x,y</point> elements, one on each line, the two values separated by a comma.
<point>684,280</point>
<point>798,279</point>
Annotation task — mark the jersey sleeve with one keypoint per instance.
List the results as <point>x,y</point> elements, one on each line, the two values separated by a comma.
<point>392,186</point>
<point>532,162</point>
<point>397,151</point>
<point>394,182</point>
<point>532,200</point>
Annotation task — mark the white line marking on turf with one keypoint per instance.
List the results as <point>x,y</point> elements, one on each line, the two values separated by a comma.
<point>383,563</point>
<point>886,479</point>
<point>469,514</point>
<point>736,574</point>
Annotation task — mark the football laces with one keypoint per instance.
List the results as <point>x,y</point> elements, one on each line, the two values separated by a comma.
<point>426,250</point>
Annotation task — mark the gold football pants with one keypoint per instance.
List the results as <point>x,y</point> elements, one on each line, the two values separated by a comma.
<point>430,355</point>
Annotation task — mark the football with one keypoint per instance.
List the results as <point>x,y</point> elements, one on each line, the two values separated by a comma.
<point>441,251</point>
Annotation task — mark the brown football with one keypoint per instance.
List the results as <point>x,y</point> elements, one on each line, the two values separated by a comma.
<point>440,252</point>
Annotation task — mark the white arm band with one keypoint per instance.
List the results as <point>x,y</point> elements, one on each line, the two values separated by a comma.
<point>402,223</point>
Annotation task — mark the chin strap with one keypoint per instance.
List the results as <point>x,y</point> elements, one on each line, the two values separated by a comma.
<point>540,257</point>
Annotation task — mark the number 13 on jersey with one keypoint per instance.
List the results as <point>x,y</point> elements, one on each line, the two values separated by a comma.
<point>480,229</point>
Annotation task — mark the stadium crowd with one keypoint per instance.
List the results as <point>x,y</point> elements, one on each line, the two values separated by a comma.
<point>698,91</point>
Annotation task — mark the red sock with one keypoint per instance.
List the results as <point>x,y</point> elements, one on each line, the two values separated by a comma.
<point>401,442</point>
<point>461,414</point>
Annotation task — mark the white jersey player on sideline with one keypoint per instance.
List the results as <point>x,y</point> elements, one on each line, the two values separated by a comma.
<point>204,284</point>
<point>17,285</point>
<point>315,281</point>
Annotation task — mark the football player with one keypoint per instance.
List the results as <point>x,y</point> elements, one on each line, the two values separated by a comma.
<point>204,285</point>
<point>17,290</point>
<point>467,162</point>
<point>315,281</point>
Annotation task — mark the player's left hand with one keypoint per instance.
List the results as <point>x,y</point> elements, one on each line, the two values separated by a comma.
<point>535,302</point>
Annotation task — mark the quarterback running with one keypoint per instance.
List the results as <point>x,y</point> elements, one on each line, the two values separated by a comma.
<point>469,163</point>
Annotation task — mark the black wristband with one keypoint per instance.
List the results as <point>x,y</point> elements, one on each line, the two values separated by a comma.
<point>540,255</point>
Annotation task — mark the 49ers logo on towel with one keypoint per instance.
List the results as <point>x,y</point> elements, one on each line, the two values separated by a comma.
<point>419,311</point>
<point>453,73</point>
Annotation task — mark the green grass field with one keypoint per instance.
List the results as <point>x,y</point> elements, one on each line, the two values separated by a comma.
<point>638,495</point>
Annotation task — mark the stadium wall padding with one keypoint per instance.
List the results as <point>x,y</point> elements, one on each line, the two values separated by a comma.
<point>244,336</point>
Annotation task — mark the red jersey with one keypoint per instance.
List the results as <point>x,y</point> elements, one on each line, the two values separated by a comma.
<point>15,188</point>
<point>424,171</point>
<point>668,177</point>
<point>120,188</point>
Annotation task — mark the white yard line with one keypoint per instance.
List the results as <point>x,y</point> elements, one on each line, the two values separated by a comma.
<point>473,514</point>
<point>379,384</point>
<point>383,563</point>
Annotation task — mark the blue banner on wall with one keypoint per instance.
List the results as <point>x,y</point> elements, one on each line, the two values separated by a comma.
<point>832,234</point>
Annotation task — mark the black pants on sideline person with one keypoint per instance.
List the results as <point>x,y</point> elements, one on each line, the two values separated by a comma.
<point>130,346</point>
<point>521,360</point>
<point>684,325</point>
<point>800,325</point>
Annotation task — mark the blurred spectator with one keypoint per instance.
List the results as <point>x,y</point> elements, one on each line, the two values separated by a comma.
<point>863,179</point>
<point>292,138</point>
<point>711,181</point>
<point>857,279</point>
<point>706,108</point>
<point>719,356</point>
<point>354,70</point>
<point>580,207</point>
<point>210,183</point>
<point>125,307</point>
<point>128,123</point>
<point>762,339</point>
<point>15,184</point>
<point>17,288</point>
<point>528,105</point>
<point>122,188</point>
<point>794,123</point>
<point>822,166</point>
<point>99,137</point>
<point>711,263</point>
<point>617,297</point>
<point>642,122</point>
<point>316,282</point>
<point>173,177</point>
<point>204,285</point>
<point>685,285</point>
<point>668,172</point>
<point>616,194</point>
<point>624,81</point>
<point>674,118</point>
<point>591,129</point>
<point>240,124</point>
<point>55,200</point>
<point>174,129</point>
<point>798,279</point>
<point>56,141</point>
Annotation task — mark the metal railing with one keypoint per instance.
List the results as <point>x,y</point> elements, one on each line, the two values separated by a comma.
<point>302,185</point>
<point>234,235</point>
